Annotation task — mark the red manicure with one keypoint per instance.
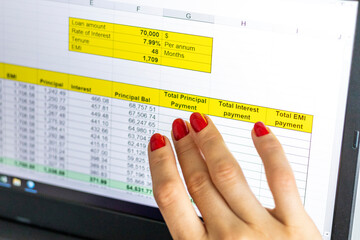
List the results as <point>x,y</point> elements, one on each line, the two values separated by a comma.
<point>260,129</point>
<point>179,129</point>
<point>198,121</point>
<point>157,141</point>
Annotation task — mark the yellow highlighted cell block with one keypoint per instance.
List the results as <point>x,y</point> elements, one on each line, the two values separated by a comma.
<point>21,74</point>
<point>196,66</point>
<point>140,44</point>
<point>289,120</point>
<point>90,85</point>
<point>183,101</point>
<point>89,24</point>
<point>53,79</point>
<point>135,93</point>
<point>107,52</point>
<point>2,71</point>
<point>237,111</point>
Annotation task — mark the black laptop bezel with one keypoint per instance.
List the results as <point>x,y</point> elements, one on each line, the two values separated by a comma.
<point>349,167</point>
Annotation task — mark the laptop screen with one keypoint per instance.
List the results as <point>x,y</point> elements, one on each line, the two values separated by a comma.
<point>85,83</point>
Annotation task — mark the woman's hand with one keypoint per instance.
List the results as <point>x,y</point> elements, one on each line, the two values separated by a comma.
<point>217,184</point>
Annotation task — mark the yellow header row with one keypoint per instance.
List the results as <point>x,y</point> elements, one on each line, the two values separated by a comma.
<point>158,97</point>
<point>139,44</point>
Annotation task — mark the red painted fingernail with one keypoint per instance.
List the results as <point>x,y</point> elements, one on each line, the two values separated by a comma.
<point>179,129</point>
<point>198,121</point>
<point>157,141</point>
<point>260,129</point>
